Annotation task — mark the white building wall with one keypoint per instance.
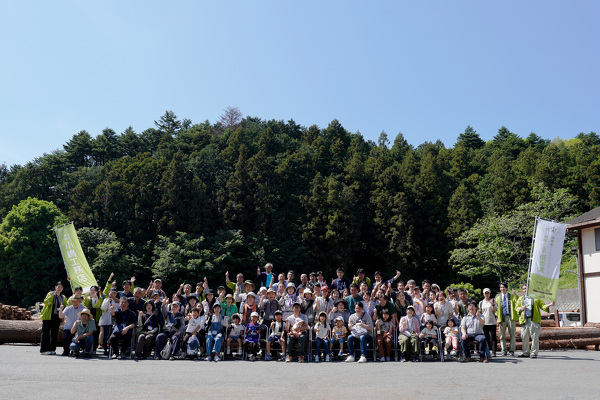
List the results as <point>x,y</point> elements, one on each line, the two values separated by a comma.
<point>591,257</point>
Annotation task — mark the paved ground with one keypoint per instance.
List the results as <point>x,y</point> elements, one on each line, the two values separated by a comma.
<point>571,374</point>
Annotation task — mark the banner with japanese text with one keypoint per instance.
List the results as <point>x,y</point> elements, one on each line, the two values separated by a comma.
<point>545,260</point>
<point>77,266</point>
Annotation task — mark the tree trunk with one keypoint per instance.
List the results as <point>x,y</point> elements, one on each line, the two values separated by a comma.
<point>23,331</point>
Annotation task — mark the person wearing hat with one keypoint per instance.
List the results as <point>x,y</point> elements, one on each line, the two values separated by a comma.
<point>122,332</point>
<point>228,306</point>
<point>248,307</point>
<point>173,329</point>
<point>268,306</point>
<point>408,335</point>
<point>340,309</point>
<point>157,286</point>
<point>70,315</point>
<point>308,308</point>
<point>248,288</point>
<point>83,330</point>
<point>507,315</point>
<point>147,329</point>
<point>50,319</point>
<point>296,328</point>
<point>287,300</point>
<point>267,278</point>
<point>221,292</point>
<point>252,336</point>
<point>488,310</point>
<point>471,327</point>
<point>214,333</point>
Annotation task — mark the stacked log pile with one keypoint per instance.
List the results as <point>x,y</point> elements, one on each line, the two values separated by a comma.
<point>563,338</point>
<point>14,313</point>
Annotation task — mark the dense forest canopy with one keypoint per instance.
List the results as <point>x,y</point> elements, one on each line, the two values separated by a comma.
<point>183,200</point>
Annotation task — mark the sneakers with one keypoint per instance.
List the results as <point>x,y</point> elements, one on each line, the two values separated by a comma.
<point>402,358</point>
<point>483,359</point>
<point>524,356</point>
<point>283,357</point>
<point>453,353</point>
<point>415,358</point>
<point>533,356</point>
<point>300,359</point>
<point>251,357</point>
<point>171,358</point>
<point>434,348</point>
<point>316,358</point>
<point>268,357</point>
<point>350,358</point>
<point>467,359</point>
<point>388,359</point>
<point>239,352</point>
<point>46,353</point>
<point>382,359</point>
<point>228,351</point>
<point>208,358</point>
<point>512,353</point>
<point>217,358</point>
<point>362,359</point>
<point>327,358</point>
<point>504,353</point>
<point>427,351</point>
<point>288,359</point>
<point>340,354</point>
<point>52,353</point>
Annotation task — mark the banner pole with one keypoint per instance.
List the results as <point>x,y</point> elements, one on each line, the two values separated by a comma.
<point>531,252</point>
<point>62,254</point>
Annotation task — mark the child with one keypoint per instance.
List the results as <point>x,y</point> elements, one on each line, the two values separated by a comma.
<point>451,333</point>
<point>385,328</point>
<point>252,336</point>
<point>429,315</point>
<point>237,330</point>
<point>429,337</point>
<point>339,333</point>
<point>196,325</point>
<point>322,332</point>
<point>214,336</point>
<point>277,329</point>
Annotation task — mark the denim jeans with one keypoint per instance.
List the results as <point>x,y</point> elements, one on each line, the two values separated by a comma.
<point>213,341</point>
<point>364,339</point>
<point>325,343</point>
<point>86,343</point>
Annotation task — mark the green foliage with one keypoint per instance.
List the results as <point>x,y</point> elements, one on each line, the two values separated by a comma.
<point>306,198</point>
<point>498,246</point>
<point>475,294</point>
<point>30,259</point>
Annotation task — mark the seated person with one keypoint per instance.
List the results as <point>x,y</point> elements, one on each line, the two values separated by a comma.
<point>214,335</point>
<point>70,314</point>
<point>235,334</point>
<point>122,332</point>
<point>252,336</point>
<point>296,328</point>
<point>173,329</point>
<point>277,331</point>
<point>429,337</point>
<point>361,329</point>
<point>194,332</point>
<point>471,327</point>
<point>408,336</point>
<point>148,329</point>
<point>83,329</point>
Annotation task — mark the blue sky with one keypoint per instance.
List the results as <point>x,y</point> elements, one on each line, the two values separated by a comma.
<point>426,69</point>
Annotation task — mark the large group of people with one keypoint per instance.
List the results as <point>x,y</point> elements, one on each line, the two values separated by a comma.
<point>343,317</point>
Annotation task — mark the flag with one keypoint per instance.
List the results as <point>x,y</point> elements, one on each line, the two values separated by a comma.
<point>545,260</point>
<point>77,266</point>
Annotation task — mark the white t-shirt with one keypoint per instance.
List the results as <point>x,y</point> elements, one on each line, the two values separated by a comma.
<point>293,321</point>
<point>488,314</point>
<point>193,323</point>
<point>321,331</point>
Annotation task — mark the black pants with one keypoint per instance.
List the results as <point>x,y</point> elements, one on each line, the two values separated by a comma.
<point>490,336</point>
<point>124,340</point>
<point>67,339</point>
<point>49,334</point>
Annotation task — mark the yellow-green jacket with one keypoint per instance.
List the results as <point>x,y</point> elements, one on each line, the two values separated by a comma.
<point>46,313</point>
<point>512,306</point>
<point>536,315</point>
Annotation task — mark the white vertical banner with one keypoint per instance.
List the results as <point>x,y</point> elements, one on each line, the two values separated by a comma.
<point>546,259</point>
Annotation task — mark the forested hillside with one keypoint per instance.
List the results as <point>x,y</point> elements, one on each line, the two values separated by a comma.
<point>183,200</point>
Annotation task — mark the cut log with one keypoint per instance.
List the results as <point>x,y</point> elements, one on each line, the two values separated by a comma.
<point>23,331</point>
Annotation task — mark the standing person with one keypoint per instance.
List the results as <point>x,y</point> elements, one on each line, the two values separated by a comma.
<point>361,329</point>
<point>488,309</point>
<point>70,314</point>
<point>463,302</point>
<point>237,286</point>
<point>361,277</point>
<point>471,327</point>
<point>106,320</point>
<point>267,278</point>
<point>443,309</point>
<point>506,312</point>
<point>50,319</point>
<point>530,318</point>
<point>353,298</point>
<point>341,282</point>
<point>93,302</point>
